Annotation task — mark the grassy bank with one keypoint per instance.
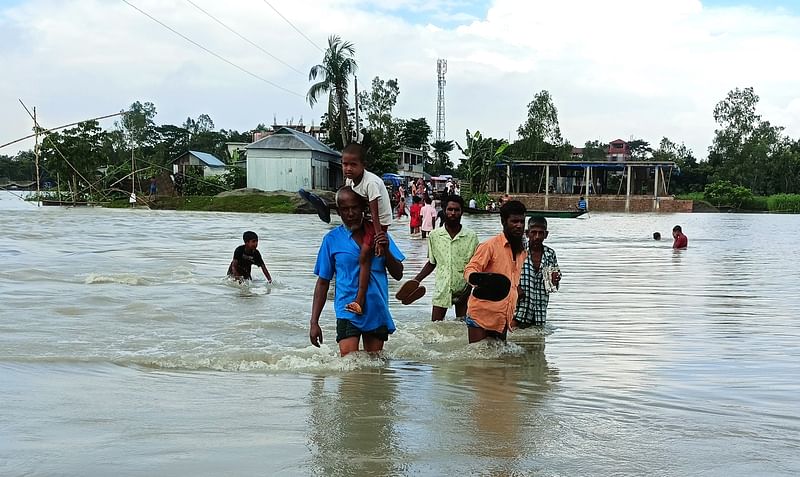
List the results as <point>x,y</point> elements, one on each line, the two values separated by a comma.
<point>245,203</point>
<point>779,203</point>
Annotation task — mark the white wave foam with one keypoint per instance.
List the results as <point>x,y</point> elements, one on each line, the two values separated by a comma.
<point>124,279</point>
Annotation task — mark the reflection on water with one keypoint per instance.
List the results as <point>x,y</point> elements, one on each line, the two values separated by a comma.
<point>124,350</point>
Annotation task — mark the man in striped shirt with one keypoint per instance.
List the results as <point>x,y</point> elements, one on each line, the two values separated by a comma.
<point>533,294</point>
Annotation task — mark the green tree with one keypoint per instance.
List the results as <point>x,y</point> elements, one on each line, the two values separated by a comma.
<point>745,147</point>
<point>640,149</point>
<point>414,133</point>
<point>540,135</point>
<point>137,124</point>
<point>75,154</point>
<point>378,103</point>
<point>596,150</point>
<point>441,153</point>
<point>481,156</point>
<point>334,74</point>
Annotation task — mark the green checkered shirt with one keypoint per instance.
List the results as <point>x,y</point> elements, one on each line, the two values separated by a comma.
<point>533,298</point>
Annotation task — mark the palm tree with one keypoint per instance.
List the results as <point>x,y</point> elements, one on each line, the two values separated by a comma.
<point>441,151</point>
<point>334,78</point>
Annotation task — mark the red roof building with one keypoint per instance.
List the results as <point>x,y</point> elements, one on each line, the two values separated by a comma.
<point>618,150</point>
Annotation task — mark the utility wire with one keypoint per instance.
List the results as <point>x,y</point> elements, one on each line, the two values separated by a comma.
<point>292,25</point>
<point>246,71</point>
<point>190,2</point>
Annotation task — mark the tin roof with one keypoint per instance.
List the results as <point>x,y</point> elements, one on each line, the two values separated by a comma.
<point>287,138</point>
<point>207,159</point>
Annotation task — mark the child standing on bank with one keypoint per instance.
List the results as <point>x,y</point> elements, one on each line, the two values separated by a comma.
<point>370,187</point>
<point>534,286</point>
<point>245,256</point>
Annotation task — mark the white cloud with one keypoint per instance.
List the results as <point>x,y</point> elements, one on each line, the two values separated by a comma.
<point>615,68</point>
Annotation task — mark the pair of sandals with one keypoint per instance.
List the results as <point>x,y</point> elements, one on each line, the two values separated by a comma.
<point>485,286</point>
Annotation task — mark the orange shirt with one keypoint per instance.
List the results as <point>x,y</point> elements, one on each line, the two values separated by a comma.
<point>495,256</point>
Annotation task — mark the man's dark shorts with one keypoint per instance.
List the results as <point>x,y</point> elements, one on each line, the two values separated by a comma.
<point>345,329</point>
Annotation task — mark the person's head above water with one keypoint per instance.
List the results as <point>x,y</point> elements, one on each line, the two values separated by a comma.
<point>453,207</point>
<point>677,230</point>
<point>656,236</point>
<point>354,157</point>
<point>250,239</point>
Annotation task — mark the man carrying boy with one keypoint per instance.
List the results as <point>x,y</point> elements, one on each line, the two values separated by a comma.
<point>337,257</point>
<point>370,187</point>
<point>449,250</point>
<point>245,256</point>
<point>502,254</point>
<point>533,294</point>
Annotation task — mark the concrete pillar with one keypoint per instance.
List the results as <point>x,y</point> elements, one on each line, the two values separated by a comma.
<point>655,195</point>
<point>588,177</point>
<point>628,192</point>
<point>508,178</point>
<point>547,187</point>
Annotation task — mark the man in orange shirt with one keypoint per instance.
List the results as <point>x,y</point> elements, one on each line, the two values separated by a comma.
<point>504,254</point>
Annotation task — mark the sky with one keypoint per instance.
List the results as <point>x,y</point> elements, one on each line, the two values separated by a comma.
<point>615,68</point>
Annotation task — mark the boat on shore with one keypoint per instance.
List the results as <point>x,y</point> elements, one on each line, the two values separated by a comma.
<point>554,214</point>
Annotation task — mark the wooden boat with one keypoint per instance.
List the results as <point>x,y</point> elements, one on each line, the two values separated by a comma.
<point>554,214</point>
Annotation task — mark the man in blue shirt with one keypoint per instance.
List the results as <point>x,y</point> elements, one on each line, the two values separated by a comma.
<point>338,256</point>
<point>582,204</point>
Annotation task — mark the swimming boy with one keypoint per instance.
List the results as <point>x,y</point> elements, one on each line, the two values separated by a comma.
<point>245,256</point>
<point>533,294</point>
<point>372,188</point>
<point>681,241</point>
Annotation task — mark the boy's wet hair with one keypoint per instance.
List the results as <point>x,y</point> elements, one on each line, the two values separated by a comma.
<point>656,235</point>
<point>249,235</point>
<point>537,220</point>
<point>677,228</point>
<point>357,150</point>
<point>512,207</point>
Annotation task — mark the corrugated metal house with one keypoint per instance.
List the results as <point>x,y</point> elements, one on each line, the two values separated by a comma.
<point>291,160</point>
<point>208,163</point>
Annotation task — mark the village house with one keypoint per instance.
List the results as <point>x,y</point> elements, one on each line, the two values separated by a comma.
<point>289,160</point>
<point>410,163</point>
<point>199,162</point>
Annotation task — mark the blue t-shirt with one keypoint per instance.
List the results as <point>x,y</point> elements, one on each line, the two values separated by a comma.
<point>338,255</point>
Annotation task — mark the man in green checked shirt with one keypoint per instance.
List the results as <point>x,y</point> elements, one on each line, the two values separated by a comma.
<point>533,294</point>
<point>449,250</point>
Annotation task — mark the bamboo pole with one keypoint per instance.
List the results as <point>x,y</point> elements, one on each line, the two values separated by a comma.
<point>44,131</point>
<point>36,155</point>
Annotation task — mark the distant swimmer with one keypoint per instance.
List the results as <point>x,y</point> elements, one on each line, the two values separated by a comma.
<point>656,235</point>
<point>681,241</point>
<point>338,257</point>
<point>245,256</point>
<point>582,204</point>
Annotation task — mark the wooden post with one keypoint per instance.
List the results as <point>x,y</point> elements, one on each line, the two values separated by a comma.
<point>508,178</point>
<point>655,196</point>
<point>547,187</point>
<point>628,192</point>
<point>36,155</point>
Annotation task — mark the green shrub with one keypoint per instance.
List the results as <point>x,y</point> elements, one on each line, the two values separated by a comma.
<point>725,193</point>
<point>698,196</point>
<point>784,203</point>
<point>756,202</point>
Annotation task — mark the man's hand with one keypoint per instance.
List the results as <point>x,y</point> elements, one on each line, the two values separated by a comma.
<point>514,325</point>
<point>556,277</point>
<point>315,334</point>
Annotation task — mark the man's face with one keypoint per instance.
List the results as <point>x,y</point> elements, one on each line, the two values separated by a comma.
<point>350,210</point>
<point>514,226</point>
<point>452,213</point>
<point>536,235</point>
<point>675,233</point>
<point>352,166</point>
<point>251,244</point>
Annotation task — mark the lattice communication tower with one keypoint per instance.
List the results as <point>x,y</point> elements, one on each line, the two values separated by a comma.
<point>441,69</point>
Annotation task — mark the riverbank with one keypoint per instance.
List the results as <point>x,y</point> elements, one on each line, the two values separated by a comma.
<point>240,200</point>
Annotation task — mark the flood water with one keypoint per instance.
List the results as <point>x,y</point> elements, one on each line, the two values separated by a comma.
<point>124,351</point>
